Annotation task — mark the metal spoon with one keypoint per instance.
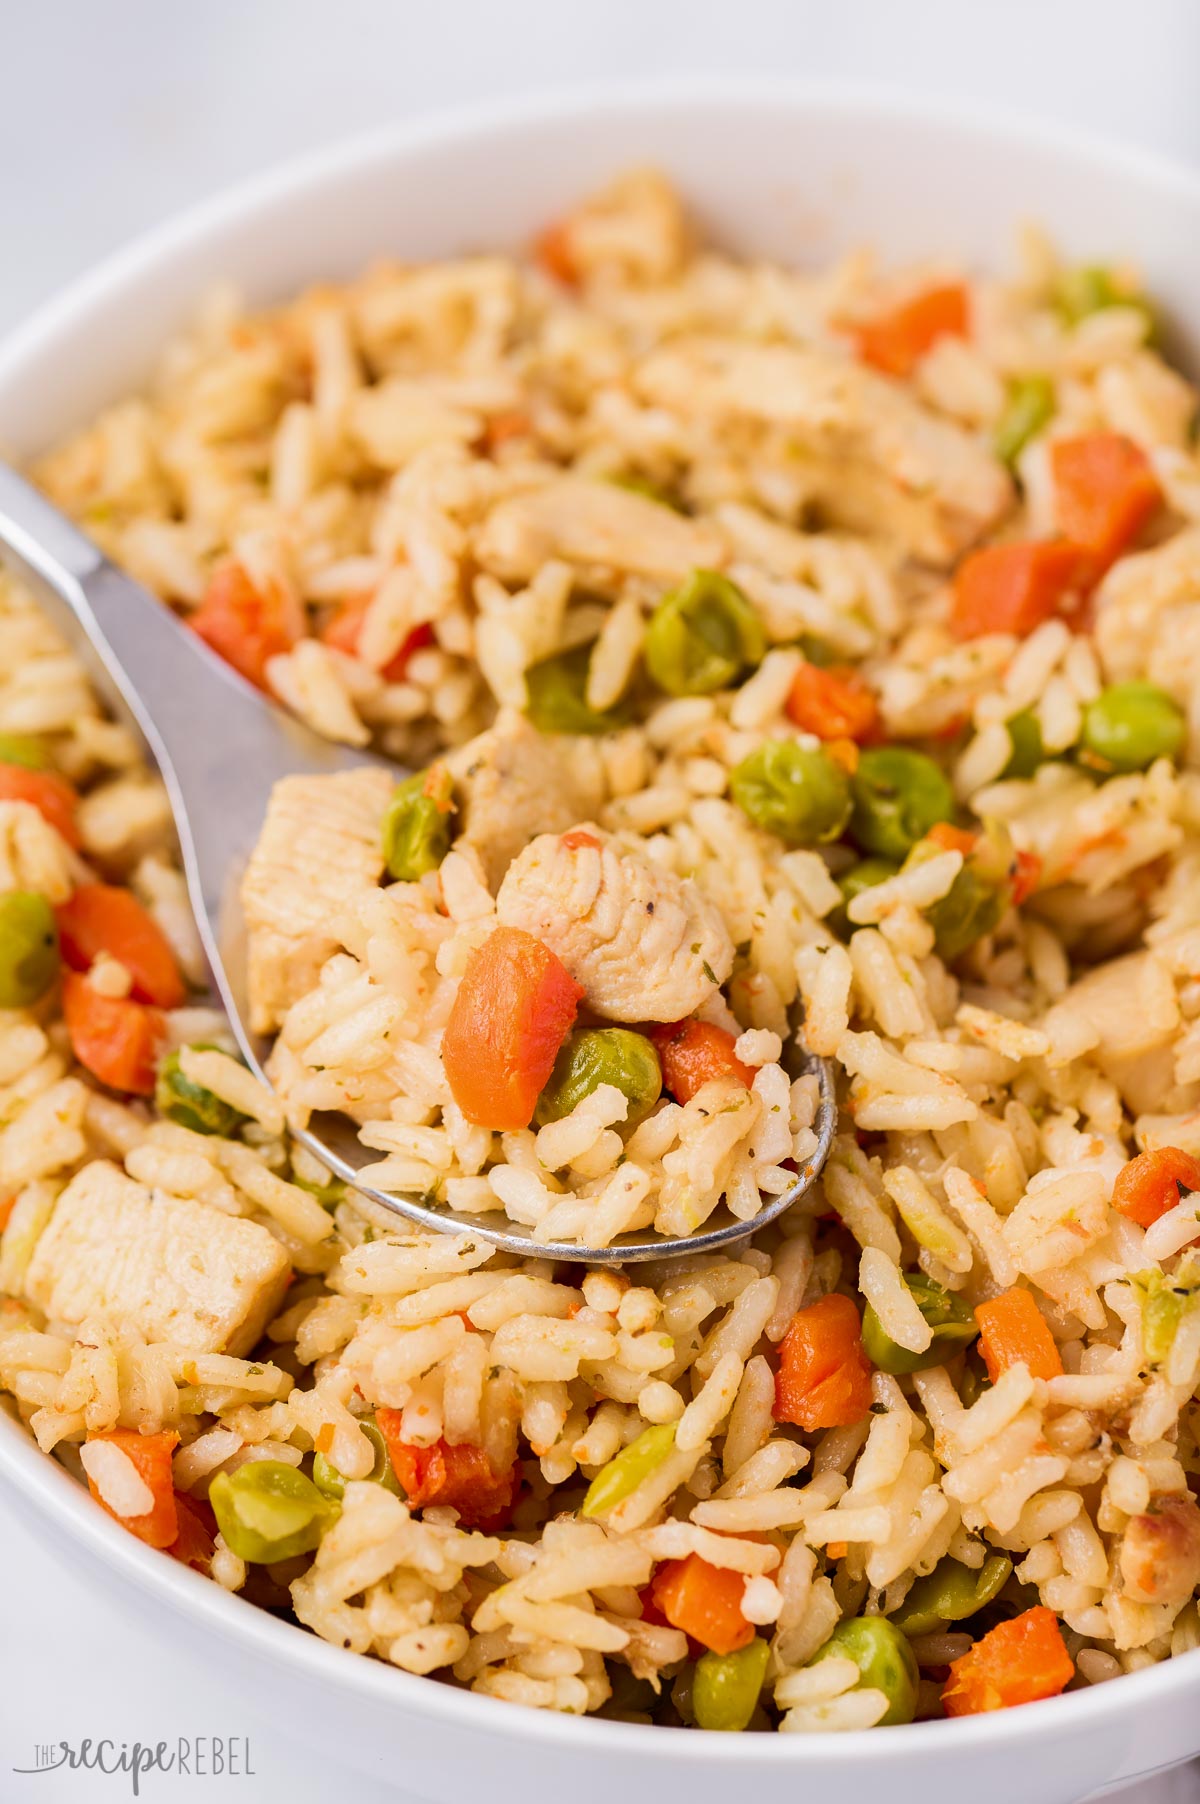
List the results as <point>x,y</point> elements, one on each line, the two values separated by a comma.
<point>220,746</point>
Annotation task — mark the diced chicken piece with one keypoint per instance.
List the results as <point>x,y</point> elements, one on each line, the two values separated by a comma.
<point>881,462</point>
<point>1160,1552</point>
<point>1122,1010</point>
<point>512,783</point>
<point>319,850</point>
<point>635,227</point>
<point>1148,616</point>
<point>595,524</point>
<point>170,1269</point>
<point>644,944</point>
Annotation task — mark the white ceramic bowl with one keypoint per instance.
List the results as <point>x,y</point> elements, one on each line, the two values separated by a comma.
<point>801,176</point>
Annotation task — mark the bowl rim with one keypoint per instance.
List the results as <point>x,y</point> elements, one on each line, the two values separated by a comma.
<point>40,1481</point>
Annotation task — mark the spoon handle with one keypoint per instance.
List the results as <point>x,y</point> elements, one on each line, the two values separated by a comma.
<point>218,743</point>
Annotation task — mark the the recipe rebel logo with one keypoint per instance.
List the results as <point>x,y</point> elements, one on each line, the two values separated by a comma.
<point>197,1757</point>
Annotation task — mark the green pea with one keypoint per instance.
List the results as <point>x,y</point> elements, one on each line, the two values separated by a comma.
<point>971,907</point>
<point>898,795</point>
<point>703,636</point>
<point>328,1195</point>
<point>29,958</point>
<point>650,491</point>
<point>329,1480</point>
<point>267,1511</point>
<point>951,1593</point>
<point>1029,407</point>
<point>953,1325</point>
<point>592,1056</point>
<point>189,1104</point>
<point>1091,288</point>
<point>726,1687</point>
<point>416,824</point>
<point>622,1475</point>
<point>799,794</point>
<point>23,748</point>
<point>1130,725</point>
<point>556,696</point>
<point>972,1380</point>
<point>1028,752</point>
<point>819,651</point>
<point>863,875</point>
<point>883,1657</point>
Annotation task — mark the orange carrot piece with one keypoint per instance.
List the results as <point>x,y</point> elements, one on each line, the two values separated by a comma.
<point>824,1376</point>
<point>515,1005</point>
<point>552,252</point>
<point>151,1455</point>
<point>99,917</point>
<point>704,1601</point>
<point>460,1477</point>
<point>7,1205</point>
<point>196,1541</point>
<point>692,1053</point>
<point>1013,1331</point>
<point>953,839</point>
<point>1026,877</point>
<point>116,1039</point>
<point>1013,588</point>
<point>897,340</point>
<point>53,797</point>
<point>345,629</point>
<point>502,428</point>
<point>1017,1662</point>
<point>246,625</point>
<point>834,703</point>
<point>1105,491</point>
<point>1149,1185</point>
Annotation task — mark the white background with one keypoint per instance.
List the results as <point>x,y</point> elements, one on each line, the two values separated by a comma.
<point>114,114</point>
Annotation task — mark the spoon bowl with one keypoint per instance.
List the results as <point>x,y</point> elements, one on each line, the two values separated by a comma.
<point>220,746</point>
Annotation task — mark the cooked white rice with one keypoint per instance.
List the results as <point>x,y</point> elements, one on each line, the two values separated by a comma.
<point>439,460</point>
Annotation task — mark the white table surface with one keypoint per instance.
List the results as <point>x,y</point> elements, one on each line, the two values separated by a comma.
<point>115,113</point>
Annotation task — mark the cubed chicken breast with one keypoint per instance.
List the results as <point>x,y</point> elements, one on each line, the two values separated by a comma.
<point>170,1269</point>
<point>1160,1552</point>
<point>597,525</point>
<point>319,851</point>
<point>644,944</point>
<point>512,783</point>
<point>878,461</point>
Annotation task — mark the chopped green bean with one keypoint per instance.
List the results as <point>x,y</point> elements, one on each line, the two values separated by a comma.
<point>1025,736</point>
<point>416,824</point>
<point>1030,407</point>
<point>863,875</point>
<point>951,1593</point>
<point>1091,288</point>
<point>971,907</point>
<point>329,1480</point>
<point>623,1474</point>
<point>23,748</point>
